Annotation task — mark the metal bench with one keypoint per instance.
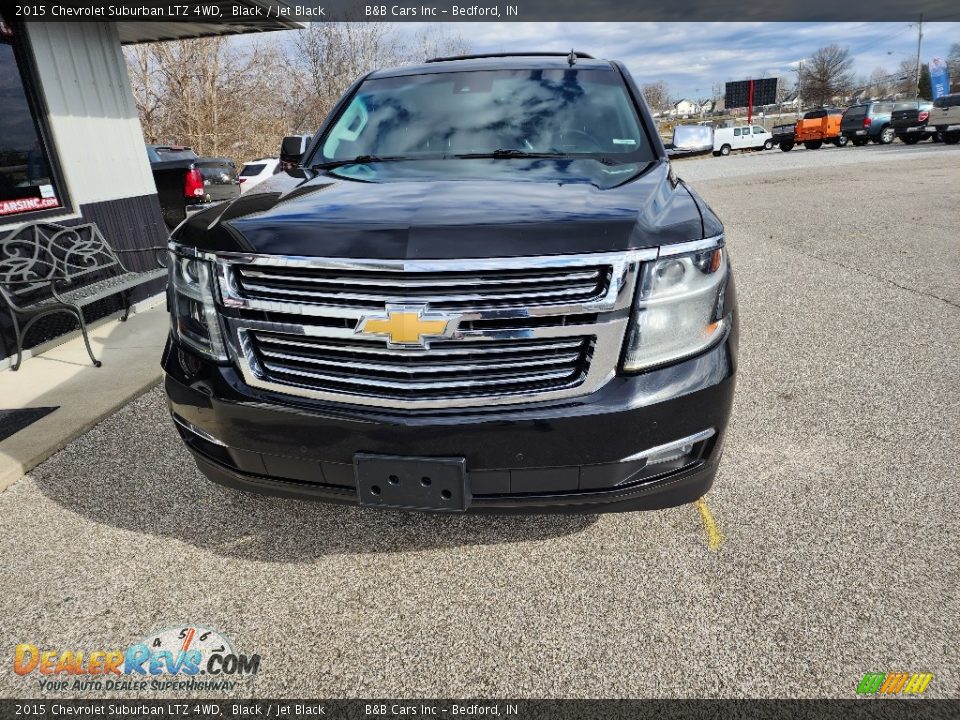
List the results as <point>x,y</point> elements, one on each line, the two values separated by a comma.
<point>47,268</point>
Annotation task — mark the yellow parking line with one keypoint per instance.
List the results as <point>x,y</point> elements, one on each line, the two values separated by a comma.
<point>714,536</point>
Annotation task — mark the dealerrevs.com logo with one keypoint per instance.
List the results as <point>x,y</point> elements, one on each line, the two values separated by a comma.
<point>191,657</point>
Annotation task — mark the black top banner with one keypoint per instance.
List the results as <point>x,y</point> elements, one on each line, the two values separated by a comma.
<point>274,11</point>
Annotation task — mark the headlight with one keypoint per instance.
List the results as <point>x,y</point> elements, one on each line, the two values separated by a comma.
<point>193,311</point>
<point>677,309</point>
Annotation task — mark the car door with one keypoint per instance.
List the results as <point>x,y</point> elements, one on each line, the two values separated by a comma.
<point>739,139</point>
<point>760,136</point>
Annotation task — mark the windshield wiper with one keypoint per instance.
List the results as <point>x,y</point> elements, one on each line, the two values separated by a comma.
<point>360,160</point>
<point>503,153</point>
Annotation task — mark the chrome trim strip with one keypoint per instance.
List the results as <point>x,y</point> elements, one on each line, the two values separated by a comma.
<point>689,247</point>
<point>689,440</point>
<point>520,262</point>
<point>190,427</point>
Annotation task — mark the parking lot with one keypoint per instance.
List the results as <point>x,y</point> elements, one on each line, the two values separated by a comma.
<point>828,547</point>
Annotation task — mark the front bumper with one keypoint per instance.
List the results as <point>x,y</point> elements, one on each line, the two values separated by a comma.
<point>564,455</point>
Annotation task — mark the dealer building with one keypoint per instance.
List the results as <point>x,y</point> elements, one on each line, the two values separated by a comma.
<point>71,146</point>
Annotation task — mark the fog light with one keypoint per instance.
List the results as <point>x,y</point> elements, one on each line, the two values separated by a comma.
<point>668,457</point>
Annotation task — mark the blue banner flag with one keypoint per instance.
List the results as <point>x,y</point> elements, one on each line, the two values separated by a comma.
<point>939,78</point>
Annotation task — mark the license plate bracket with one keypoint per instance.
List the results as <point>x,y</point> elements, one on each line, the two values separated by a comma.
<point>412,483</point>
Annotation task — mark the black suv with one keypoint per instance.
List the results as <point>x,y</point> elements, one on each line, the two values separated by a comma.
<point>483,288</point>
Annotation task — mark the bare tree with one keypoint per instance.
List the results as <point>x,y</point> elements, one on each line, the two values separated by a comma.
<point>827,75</point>
<point>880,83</point>
<point>953,67</point>
<point>657,96</point>
<point>238,100</point>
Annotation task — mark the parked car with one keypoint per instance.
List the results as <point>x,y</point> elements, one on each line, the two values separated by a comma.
<point>256,171</point>
<point>532,312</point>
<point>945,117</point>
<point>868,121</point>
<point>186,181</point>
<point>744,137</point>
<point>814,129</point>
<point>909,121</point>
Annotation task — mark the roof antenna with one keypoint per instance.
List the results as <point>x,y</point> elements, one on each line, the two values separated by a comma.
<point>572,58</point>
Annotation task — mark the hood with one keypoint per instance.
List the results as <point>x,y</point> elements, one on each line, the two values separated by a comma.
<point>453,209</point>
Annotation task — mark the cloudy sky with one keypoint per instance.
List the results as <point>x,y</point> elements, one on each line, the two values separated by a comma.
<point>691,57</point>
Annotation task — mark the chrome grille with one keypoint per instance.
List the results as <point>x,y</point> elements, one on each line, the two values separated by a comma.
<point>520,329</point>
<point>445,291</point>
<point>449,369</point>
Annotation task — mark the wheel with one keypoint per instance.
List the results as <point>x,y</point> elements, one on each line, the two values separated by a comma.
<point>768,145</point>
<point>936,137</point>
<point>951,138</point>
<point>909,139</point>
<point>786,146</point>
<point>725,150</point>
<point>716,153</point>
<point>841,141</point>
<point>859,142</point>
<point>887,136</point>
<point>813,144</point>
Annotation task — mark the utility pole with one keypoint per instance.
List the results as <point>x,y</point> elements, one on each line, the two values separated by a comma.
<point>799,88</point>
<point>916,88</point>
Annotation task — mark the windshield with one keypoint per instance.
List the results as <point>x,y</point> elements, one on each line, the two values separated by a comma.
<point>566,112</point>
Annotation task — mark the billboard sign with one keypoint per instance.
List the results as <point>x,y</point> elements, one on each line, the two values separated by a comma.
<point>737,93</point>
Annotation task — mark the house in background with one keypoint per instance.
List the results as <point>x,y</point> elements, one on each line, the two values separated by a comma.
<point>71,146</point>
<point>684,109</point>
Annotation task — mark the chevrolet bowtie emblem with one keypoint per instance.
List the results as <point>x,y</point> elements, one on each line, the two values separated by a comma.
<point>407,326</point>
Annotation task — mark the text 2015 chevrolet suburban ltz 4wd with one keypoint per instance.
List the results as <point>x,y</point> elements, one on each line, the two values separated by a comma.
<point>483,289</point>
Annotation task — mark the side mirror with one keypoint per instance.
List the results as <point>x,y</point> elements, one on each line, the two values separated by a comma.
<point>690,140</point>
<point>293,148</point>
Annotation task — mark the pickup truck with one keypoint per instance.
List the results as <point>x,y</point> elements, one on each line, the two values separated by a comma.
<point>814,129</point>
<point>909,121</point>
<point>945,117</point>
<point>185,181</point>
<point>532,312</point>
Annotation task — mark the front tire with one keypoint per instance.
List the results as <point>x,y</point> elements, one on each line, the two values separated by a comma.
<point>725,150</point>
<point>841,141</point>
<point>887,136</point>
<point>786,146</point>
<point>951,138</point>
<point>768,145</point>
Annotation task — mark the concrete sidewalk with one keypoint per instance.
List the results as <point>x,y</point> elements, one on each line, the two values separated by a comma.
<point>63,376</point>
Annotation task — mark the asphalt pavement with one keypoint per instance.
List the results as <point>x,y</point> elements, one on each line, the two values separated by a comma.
<point>828,547</point>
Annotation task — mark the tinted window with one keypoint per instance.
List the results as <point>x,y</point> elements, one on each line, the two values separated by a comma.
<point>565,111</point>
<point>165,154</point>
<point>905,106</point>
<point>814,114</point>
<point>253,169</point>
<point>736,132</point>
<point>856,111</point>
<point>26,180</point>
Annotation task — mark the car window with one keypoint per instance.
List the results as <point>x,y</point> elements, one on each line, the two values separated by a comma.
<point>856,111</point>
<point>167,153</point>
<point>736,132</point>
<point>757,130</point>
<point>565,111</point>
<point>252,169</point>
<point>905,106</point>
<point>815,114</point>
<point>882,107</point>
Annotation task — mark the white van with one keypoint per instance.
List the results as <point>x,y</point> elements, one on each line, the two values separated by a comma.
<point>743,137</point>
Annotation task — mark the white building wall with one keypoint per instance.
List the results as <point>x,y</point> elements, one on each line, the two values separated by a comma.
<point>92,114</point>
